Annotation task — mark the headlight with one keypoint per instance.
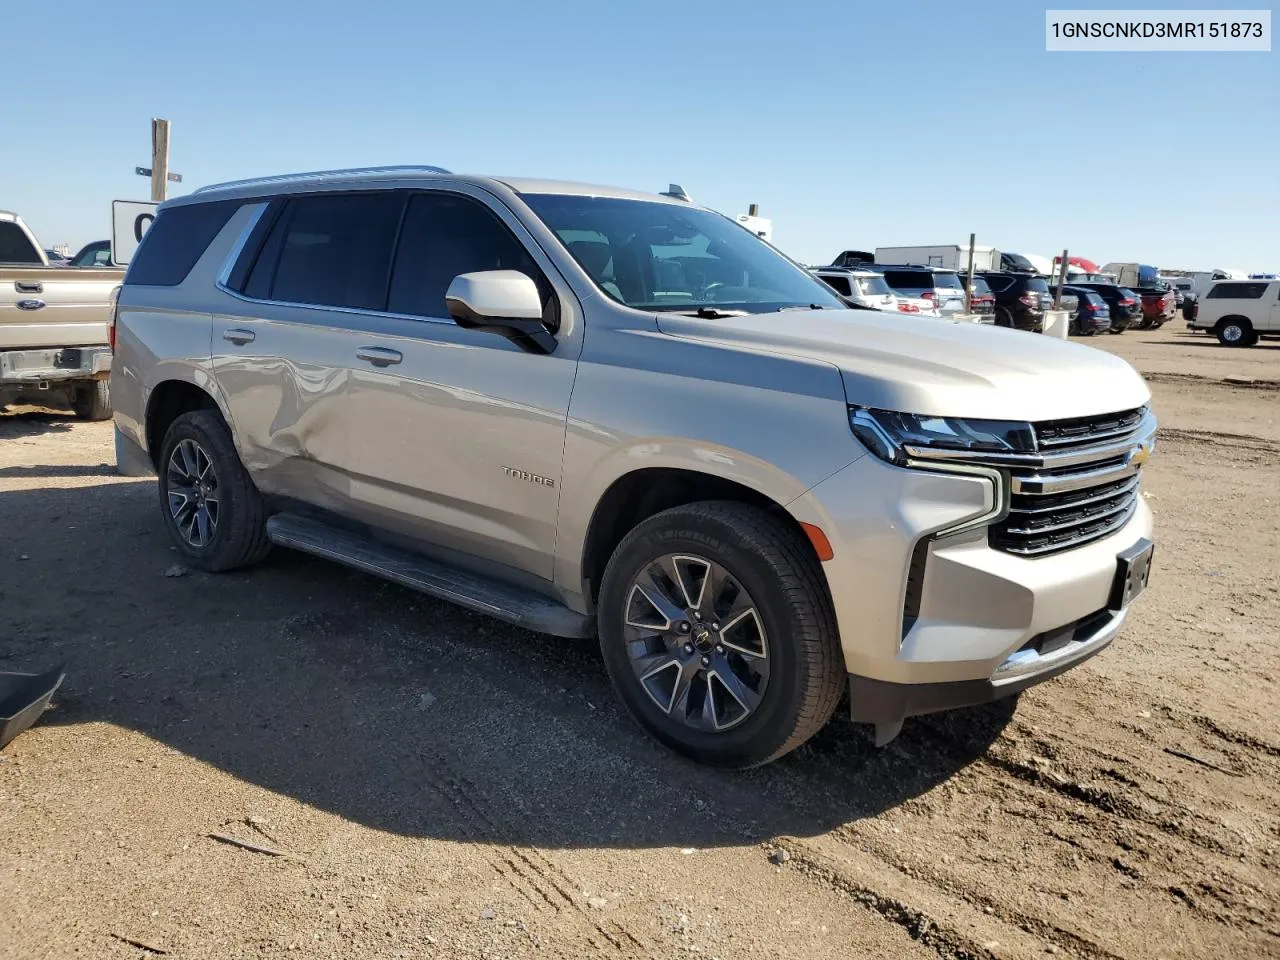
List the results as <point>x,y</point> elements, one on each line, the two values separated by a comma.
<point>887,434</point>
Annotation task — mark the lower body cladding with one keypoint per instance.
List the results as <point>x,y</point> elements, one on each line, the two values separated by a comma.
<point>932,616</point>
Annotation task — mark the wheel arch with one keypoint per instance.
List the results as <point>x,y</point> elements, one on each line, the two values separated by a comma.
<point>1240,317</point>
<point>168,400</point>
<point>638,494</point>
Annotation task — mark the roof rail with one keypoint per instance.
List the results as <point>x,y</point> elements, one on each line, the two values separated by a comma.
<point>322,175</point>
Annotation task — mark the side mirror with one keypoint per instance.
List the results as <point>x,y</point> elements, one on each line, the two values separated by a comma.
<point>505,302</point>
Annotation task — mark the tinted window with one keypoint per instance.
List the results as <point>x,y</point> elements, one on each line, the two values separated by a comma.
<point>176,240</point>
<point>909,279</point>
<point>1037,284</point>
<point>445,235</point>
<point>14,245</point>
<point>837,283</point>
<point>336,249</point>
<point>980,287</point>
<point>1237,291</point>
<point>999,282</point>
<point>948,281</point>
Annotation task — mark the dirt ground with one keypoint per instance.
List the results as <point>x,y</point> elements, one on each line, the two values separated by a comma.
<point>440,785</point>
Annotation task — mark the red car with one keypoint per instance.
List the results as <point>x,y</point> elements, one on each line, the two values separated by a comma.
<point>1157,307</point>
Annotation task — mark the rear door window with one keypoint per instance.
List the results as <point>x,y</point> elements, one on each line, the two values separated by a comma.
<point>445,235</point>
<point>176,240</point>
<point>999,282</point>
<point>331,250</point>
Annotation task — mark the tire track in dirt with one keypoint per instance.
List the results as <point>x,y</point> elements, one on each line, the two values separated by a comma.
<point>527,864</point>
<point>1115,833</point>
<point>1196,379</point>
<point>1239,441</point>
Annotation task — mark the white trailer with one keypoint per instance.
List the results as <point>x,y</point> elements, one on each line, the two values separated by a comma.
<point>947,256</point>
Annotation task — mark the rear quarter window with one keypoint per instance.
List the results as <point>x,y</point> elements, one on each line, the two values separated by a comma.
<point>178,238</point>
<point>1238,291</point>
<point>838,284</point>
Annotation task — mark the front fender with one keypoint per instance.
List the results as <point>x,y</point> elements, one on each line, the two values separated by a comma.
<point>778,440</point>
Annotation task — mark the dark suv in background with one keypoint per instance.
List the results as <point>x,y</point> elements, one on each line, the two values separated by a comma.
<point>1021,299</point>
<point>1126,306</point>
<point>1089,312</point>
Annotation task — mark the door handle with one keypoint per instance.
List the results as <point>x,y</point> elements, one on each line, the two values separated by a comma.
<point>36,287</point>
<point>239,337</point>
<point>380,356</point>
<point>30,304</point>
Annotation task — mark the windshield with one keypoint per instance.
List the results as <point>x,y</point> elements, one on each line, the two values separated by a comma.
<point>663,256</point>
<point>873,286</point>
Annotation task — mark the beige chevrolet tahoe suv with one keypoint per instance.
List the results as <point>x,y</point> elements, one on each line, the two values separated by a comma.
<point>597,412</point>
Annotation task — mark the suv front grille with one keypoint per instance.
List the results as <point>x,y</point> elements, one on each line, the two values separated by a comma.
<point>1083,487</point>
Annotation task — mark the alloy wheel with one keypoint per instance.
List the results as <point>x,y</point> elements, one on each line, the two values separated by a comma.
<point>194,496</point>
<point>696,642</point>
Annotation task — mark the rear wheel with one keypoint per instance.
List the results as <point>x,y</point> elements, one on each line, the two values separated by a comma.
<point>1235,332</point>
<point>92,401</point>
<point>1003,317</point>
<point>718,633</point>
<point>214,513</point>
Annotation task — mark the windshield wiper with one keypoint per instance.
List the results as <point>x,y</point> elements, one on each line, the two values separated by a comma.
<point>802,306</point>
<point>711,313</point>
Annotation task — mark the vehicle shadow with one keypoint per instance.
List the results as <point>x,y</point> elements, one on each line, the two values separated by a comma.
<point>16,424</point>
<point>1190,341</point>
<point>396,711</point>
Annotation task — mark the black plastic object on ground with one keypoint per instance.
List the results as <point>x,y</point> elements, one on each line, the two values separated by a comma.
<point>23,697</point>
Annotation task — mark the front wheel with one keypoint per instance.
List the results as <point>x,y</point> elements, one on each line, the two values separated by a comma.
<point>718,633</point>
<point>214,513</point>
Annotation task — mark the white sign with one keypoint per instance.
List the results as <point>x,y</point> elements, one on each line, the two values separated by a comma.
<point>129,221</point>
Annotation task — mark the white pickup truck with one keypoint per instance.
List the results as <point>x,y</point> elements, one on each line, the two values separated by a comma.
<point>53,327</point>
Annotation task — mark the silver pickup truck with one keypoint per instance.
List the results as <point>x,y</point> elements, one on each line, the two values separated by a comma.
<point>54,327</point>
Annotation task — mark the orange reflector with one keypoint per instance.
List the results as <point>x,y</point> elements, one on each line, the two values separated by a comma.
<point>821,545</point>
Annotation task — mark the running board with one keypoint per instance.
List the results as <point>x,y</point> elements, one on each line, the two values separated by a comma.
<point>515,605</point>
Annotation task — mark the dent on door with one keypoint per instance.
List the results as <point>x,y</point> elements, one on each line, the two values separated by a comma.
<point>284,397</point>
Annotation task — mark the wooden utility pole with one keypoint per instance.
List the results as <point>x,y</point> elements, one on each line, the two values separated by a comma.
<point>968,286</point>
<point>1062,279</point>
<point>159,159</point>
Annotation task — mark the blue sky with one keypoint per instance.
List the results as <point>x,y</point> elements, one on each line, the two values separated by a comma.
<point>852,125</point>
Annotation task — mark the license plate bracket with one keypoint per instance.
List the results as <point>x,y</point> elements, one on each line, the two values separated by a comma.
<point>1133,572</point>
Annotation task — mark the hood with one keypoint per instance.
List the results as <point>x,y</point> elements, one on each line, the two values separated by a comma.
<point>935,366</point>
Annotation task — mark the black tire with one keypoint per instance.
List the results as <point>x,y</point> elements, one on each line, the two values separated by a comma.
<point>92,401</point>
<point>1004,318</point>
<point>239,535</point>
<point>777,568</point>
<point>1235,332</point>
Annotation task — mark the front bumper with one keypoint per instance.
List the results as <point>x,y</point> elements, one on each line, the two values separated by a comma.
<point>951,617</point>
<point>34,368</point>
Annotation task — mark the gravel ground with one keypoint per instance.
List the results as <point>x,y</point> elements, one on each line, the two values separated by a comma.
<point>437,784</point>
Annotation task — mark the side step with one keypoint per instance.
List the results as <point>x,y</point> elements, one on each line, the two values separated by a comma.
<point>515,605</point>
